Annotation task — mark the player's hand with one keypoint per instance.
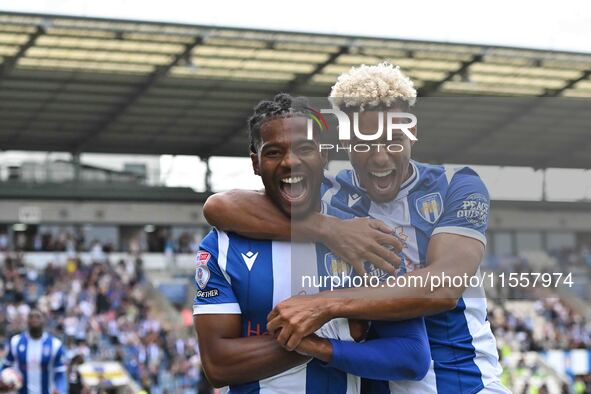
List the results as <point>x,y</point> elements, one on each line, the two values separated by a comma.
<point>297,317</point>
<point>364,239</point>
<point>358,329</point>
<point>314,346</point>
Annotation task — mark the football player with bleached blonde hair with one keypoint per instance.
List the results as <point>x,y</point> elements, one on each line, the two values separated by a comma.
<point>441,215</point>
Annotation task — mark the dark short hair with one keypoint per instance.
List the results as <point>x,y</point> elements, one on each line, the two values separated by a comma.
<point>36,310</point>
<point>282,105</point>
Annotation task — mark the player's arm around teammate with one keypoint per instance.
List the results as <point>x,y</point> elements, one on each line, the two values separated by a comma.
<point>371,359</point>
<point>452,254</point>
<point>231,359</point>
<point>355,240</point>
<point>300,316</point>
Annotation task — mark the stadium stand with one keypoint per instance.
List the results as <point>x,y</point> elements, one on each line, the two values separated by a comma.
<point>101,311</point>
<point>96,85</point>
<point>543,335</point>
<point>543,345</point>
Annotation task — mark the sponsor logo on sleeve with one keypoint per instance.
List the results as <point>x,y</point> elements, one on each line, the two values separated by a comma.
<point>208,293</point>
<point>203,257</point>
<point>474,209</point>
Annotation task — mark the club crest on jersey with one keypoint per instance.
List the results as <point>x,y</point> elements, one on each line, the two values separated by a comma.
<point>335,266</point>
<point>430,207</point>
<point>202,275</point>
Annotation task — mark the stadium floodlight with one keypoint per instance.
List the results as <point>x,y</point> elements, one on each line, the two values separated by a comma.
<point>85,65</point>
<point>13,39</point>
<point>500,89</point>
<point>97,55</point>
<point>426,75</point>
<point>518,81</point>
<point>235,43</point>
<point>311,48</point>
<point>8,50</point>
<point>232,74</point>
<point>486,68</point>
<point>582,93</point>
<point>111,45</point>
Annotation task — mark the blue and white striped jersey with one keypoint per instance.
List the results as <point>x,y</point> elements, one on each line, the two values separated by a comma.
<point>432,201</point>
<point>239,275</point>
<point>38,360</point>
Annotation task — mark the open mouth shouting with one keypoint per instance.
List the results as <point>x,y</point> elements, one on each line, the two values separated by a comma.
<point>382,180</point>
<point>294,189</point>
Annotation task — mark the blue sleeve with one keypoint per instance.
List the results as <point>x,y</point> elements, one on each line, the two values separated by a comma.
<point>214,293</point>
<point>400,352</point>
<point>466,205</point>
<point>59,368</point>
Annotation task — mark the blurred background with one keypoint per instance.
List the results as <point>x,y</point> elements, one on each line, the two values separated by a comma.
<point>113,133</point>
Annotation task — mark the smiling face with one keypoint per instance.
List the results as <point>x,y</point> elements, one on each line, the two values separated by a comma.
<point>380,171</point>
<point>290,165</point>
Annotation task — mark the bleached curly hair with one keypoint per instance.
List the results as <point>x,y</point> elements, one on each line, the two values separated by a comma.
<point>372,86</point>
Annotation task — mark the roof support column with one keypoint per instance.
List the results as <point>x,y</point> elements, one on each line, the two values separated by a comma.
<point>76,165</point>
<point>207,175</point>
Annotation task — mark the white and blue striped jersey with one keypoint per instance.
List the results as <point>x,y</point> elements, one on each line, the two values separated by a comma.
<point>239,275</point>
<point>38,360</point>
<point>433,200</point>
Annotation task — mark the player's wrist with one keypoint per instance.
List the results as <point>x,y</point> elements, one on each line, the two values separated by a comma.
<point>314,228</point>
<point>319,348</point>
<point>324,350</point>
<point>323,227</point>
<point>333,308</point>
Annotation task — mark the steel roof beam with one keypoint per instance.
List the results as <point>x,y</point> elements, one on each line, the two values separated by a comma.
<point>569,84</point>
<point>136,95</point>
<point>10,62</point>
<point>291,87</point>
<point>302,79</point>
<point>432,87</point>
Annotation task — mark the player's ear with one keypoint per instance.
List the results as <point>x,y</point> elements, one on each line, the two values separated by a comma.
<point>414,132</point>
<point>254,158</point>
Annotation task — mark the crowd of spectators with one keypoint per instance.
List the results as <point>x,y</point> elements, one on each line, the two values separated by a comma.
<point>159,240</point>
<point>551,325</point>
<point>521,327</point>
<point>101,311</point>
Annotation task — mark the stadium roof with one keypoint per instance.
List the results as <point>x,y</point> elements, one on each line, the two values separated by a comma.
<point>95,85</point>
